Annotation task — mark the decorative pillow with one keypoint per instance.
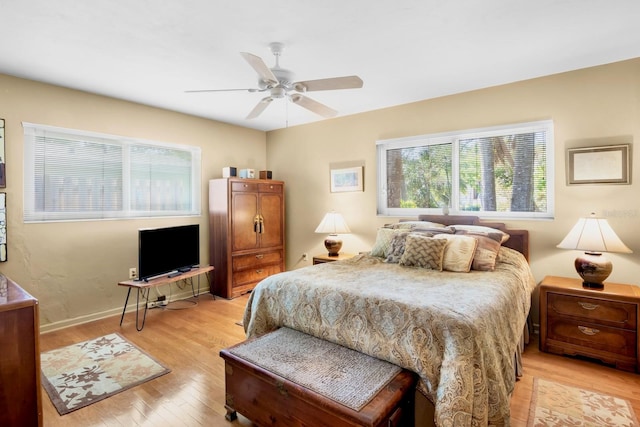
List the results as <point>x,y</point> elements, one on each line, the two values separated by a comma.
<point>433,230</point>
<point>424,252</point>
<point>398,243</point>
<point>410,225</point>
<point>480,230</point>
<point>486,254</point>
<point>383,242</point>
<point>458,253</point>
<point>489,241</point>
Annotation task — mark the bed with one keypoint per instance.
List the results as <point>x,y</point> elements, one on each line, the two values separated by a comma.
<point>460,331</point>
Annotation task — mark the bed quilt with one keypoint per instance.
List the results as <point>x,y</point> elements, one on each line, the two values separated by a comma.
<point>457,331</point>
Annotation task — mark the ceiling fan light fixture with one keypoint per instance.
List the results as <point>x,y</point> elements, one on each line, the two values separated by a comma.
<point>278,92</point>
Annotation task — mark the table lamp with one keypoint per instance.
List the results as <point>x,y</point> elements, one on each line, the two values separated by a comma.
<point>333,224</point>
<point>593,236</point>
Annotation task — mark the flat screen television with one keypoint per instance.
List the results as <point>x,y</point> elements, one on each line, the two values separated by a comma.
<point>168,250</point>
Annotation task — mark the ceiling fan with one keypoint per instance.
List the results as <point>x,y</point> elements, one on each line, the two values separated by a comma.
<point>279,83</point>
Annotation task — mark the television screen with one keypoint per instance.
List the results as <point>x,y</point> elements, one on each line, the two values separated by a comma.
<point>166,250</point>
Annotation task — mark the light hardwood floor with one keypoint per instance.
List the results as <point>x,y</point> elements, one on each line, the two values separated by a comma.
<point>188,338</point>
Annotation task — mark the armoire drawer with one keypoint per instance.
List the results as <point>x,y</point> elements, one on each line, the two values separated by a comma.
<point>255,274</point>
<point>244,186</point>
<point>270,188</point>
<point>611,313</point>
<point>240,262</point>
<point>591,335</point>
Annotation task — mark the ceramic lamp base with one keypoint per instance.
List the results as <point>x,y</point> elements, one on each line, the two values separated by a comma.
<point>594,268</point>
<point>333,244</point>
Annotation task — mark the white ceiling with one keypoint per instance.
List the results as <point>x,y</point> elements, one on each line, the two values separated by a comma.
<point>151,51</point>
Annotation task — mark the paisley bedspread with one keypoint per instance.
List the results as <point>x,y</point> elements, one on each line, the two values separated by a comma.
<point>457,331</point>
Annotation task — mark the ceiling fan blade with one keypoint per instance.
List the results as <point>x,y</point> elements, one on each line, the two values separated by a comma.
<point>347,82</point>
<point>222,90</point>
<point>260,107</point>
<point>313,106</point>
<point>261,68</point>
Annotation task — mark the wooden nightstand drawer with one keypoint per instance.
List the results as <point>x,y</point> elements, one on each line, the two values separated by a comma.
<point>612,340</point>
<point>610,313</point>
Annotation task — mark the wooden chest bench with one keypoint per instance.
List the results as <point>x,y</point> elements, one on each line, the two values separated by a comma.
<point>270,399</point>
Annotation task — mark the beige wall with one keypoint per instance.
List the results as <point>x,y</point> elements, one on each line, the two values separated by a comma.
<point>594,106</point>
<point>73,267</point>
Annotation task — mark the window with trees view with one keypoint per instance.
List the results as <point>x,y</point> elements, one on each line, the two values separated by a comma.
<point>503,171</point>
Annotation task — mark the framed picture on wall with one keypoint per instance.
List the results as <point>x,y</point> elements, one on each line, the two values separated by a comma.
<point>598,165</point>
<point>346,179</point>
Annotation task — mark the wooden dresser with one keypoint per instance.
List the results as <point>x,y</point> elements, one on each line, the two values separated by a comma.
<point>246,226</point>
<point>597,323</point>
<point>20,394</point>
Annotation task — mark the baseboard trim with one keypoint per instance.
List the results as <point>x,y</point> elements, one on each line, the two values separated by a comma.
<point>54,326</point>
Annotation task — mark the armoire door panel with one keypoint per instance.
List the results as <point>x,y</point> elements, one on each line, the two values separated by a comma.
<point>244,211</point>
<point>271,211</point>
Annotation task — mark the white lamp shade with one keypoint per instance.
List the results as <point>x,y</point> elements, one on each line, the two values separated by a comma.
<point>593,235</point>
<point>333,223</point>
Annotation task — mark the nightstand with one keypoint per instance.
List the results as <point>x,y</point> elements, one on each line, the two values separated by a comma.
<point>597,323</point>
<point>321,259</point>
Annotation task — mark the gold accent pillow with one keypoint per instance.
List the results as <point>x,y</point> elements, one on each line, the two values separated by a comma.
<point>458,253</point>
<point>422,251</point>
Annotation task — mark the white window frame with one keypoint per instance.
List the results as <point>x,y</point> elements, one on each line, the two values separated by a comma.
<point>453,138</point>
<point>32,214</point>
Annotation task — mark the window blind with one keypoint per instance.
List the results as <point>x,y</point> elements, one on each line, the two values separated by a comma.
<point>77,175</point>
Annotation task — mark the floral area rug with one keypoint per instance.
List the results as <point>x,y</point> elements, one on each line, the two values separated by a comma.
<point>558,405</point>
<point>81,374</point>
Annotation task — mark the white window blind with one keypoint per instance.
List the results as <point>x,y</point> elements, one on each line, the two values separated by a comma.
<point>503,171</point>
<point>77,175</point>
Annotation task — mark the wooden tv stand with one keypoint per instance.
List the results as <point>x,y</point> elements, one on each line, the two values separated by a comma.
<point>143,287</point>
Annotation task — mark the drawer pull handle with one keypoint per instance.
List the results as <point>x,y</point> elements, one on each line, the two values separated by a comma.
<point>259,256</point>
<point>588,331</point>
<point>588,306</point>
<point>259,271</point>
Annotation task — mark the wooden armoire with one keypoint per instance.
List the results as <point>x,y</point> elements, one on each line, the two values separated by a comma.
<point>246,233</point>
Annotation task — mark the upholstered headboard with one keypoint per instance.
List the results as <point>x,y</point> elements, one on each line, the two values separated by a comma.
<point>518,240</point>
